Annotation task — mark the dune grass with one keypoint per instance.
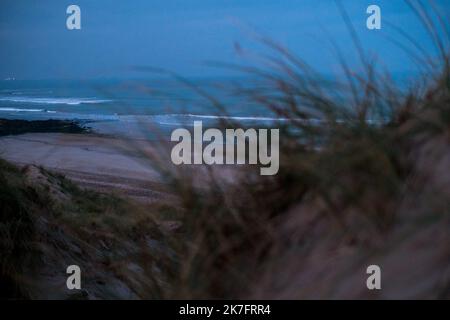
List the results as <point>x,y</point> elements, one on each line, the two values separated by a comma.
<point>362,180</point>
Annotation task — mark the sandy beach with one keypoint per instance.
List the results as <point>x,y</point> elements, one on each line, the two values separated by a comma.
<point>98,162</point>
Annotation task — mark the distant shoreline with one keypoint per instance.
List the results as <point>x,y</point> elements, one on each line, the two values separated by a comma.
<point>14,127</point>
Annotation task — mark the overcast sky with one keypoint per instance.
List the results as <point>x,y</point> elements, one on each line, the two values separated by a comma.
<point>182,34</point>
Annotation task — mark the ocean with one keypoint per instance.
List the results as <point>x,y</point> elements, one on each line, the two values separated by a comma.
<point>130,106</point>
